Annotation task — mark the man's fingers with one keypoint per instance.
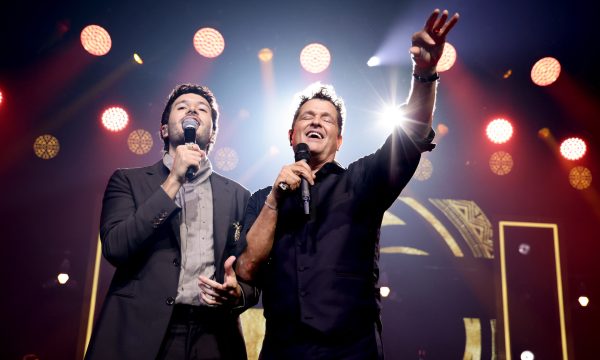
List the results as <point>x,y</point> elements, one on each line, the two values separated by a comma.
<point>432,18</point>
<point>449,25</point>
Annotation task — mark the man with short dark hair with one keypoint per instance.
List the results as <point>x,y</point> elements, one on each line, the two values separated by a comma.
<point>319,271</point>
<point>172,238</point>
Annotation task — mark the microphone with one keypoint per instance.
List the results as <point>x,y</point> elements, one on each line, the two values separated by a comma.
<point>189,136</point>
<point>302,152</point>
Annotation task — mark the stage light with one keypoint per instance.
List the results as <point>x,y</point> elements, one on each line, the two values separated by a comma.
<point>499,131</point>
<point>391,117</point>
<point>209,42</point>
<point>580,177</point>
<point>137,59</point>
<point>315,58</point>
<point>573,148</point>
<point>374,61</point>
<point>546,71</point>
<point>96,40</point>
<point>544,133</point>
<point>46,147</point>
<point>62,278</point>
<point>501,163</point>
<point>583,301</point>
<point>527,355</point>
<point>265,55</point>
<point>441,130</point>
<point>524,249</point>
<point>507,74</point>
<point>226,159</point>
<point>424,170</point>
<point>140,141</point>
<point>384,291</point>
<point>448,58</point>
<point>115,118</point>
<point>1,98</point>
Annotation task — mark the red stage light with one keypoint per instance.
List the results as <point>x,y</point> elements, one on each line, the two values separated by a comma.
<point>96,40</point>
<point>115,118</point>
<point>209,43</point>
<point>545,71</point>
<point>1,97</point>
<point>573,148</point>
<point>448,58</point>
<point>499,131</point>
<point>315,58</point>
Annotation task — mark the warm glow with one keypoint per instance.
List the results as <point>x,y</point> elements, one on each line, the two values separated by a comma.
<point>448,58</point>
<point>265,55</point>
<point>384,291</point>
<point>546,71</point>
<point>507,74</point>
<point>115,118</point>
<point>441,130</point>
<point>544,133</point>
<point>527,355</point>
<point>96,40</point>
<point>501,163</point>
<point>138,59</point>
<point>584,301</point>
<point>46,147</point>
<point>62,278</point>
<point>140,141</point>
<point>374,61</point>
<point>209,43</point>
<point>1,97</point>
<point>580,177</point>
<point>573,148</point>
<point>315,58</point>
<point>499,131</point>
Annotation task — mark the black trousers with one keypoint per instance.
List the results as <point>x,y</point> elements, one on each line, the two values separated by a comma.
<point>201,333</point>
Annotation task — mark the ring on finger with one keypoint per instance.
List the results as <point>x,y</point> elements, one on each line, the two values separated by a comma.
<point>283,185</point>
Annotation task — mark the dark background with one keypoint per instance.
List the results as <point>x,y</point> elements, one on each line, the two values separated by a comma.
<point>50,209</point>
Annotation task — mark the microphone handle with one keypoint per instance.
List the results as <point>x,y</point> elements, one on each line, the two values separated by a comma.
<point>305,189</point>
<point>189,174</point>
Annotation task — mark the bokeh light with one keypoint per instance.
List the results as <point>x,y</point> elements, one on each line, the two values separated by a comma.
<point>265,55</point>
<point>140,141</point>
<point>115,118</point>
<point>544,133</point>
<point>209,42</point>
<point>138,59</point>
<point>226,159</point>
<point>62,278</point>
<point>501,163</point>
<point>46,147</point>
<point>448,58</point>
<point>374,61</point>
<point>573,148</point>
<point>546,71</point>
<point>424,170</point>
<point>96,40</point>
<point>1,97</point>
<point>384,291</point>
<point>580,177</point>
<point>499,131</point>
<point>583,300</point>
<point>315,58</point>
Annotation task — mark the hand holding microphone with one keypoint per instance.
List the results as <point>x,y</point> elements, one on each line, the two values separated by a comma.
<point>296,175</point>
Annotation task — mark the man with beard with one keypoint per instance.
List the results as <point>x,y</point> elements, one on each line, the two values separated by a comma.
<point>172,234</point>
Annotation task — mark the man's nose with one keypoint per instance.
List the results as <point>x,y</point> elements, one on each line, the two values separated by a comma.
<point>192,110</point>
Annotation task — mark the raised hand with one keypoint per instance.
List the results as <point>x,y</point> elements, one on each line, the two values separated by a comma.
<point>428,44</point>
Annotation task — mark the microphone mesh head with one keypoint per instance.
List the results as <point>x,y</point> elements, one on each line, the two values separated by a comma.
<point>190,123</point>
<point>302,152</point>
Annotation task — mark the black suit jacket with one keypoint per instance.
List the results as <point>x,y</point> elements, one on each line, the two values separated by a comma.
<point>139,229</point>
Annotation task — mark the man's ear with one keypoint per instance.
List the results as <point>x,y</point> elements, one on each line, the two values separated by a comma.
<point>164,131</point>
<point>339,142</point>
<point>290,132</point>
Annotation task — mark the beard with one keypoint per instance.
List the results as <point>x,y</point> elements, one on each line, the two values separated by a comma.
<point>176,138</point>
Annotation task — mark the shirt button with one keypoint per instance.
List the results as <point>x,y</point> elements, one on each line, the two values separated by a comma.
<point>170,300</point>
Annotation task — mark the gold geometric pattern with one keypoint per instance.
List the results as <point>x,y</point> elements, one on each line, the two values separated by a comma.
<point>402,250</point>
<point>472,224</point>
<point>46,147</point>
<point>424,170</point>
<point>140,141</point>
<point>472,339</point>
<point>501,163</point>
<point>253,328</point>
<point>580,177</point>
<point>391,219</point>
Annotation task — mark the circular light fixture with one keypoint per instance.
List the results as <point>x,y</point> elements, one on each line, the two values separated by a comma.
<point>315,58</point>
<point>209,42</point>
<point>95,40</point>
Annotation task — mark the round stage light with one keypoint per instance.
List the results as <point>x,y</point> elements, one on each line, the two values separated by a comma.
<point>226,159</point>
<point>546,71</point>
<point>573,148</point>
<point>62,278</point>
<point>499,131</point>
<point>374,61</point>
<point>583,301</point>
<point>315,58</point>
<point>46,147</point>
<point>448,58</point>
<point>384,291</point>
<point>140,141</point>
<point>137,58</point>
<point>265,55</point>
<point>209,42</point>
<point>1,97</point>
<point>527,355</point>
<point>544,133</point>
<point>501,163</point>
<point>115,118</point>
<point>580,177</point>
<point>96,40</point>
